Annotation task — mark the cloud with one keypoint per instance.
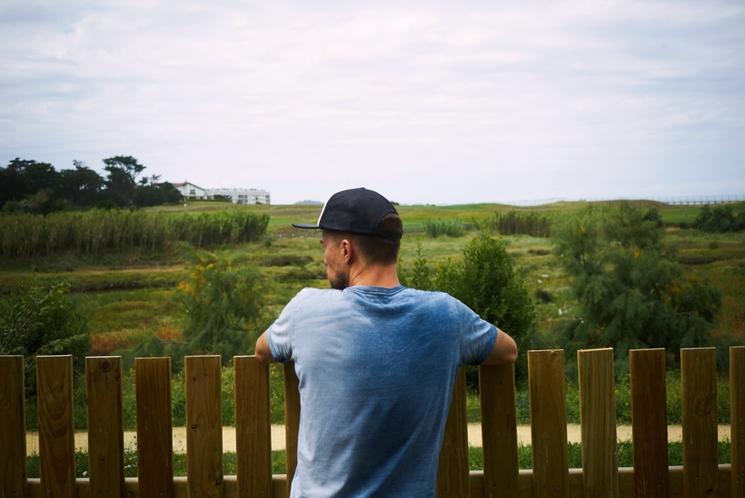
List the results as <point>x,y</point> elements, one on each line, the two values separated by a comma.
<point>518,101</point>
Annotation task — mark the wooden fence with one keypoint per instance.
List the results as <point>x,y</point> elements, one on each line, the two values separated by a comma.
<point>700,476</point>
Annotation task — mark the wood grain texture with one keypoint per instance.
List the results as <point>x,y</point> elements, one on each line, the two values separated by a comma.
<point>12,428</point>
<point>476,483</point>
<point>253,428</point>
<point>452,471</point>
<point>154,431</point>
<point>105,438</point>
<point>699,403</point>
<point>203,426</point>
<point>598,419</point>
<point>649,422</point>
<point>499,430</point>
<point>548,426</point>
<point>56,432</point>
<point>292,419</point>
<point>737,418</point>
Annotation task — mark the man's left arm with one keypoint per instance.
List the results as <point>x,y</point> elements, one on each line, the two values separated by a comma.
<point>263,352</point>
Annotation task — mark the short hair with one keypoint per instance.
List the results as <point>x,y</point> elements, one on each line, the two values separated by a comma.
<point>376,250</point>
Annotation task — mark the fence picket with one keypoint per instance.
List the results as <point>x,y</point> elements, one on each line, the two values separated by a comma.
<point>56,431</point>
<point>292,420</point>
<point>203,426</point>
<point>699,402</point>
<point>154,431</point>
<point>649,422</point>
<point>253,428</point>
<point>737,418</point>
<point>452,472</point>
<point>12,428</point>
<point>105,437</point>
<point>548,426</point>
<point>498,430</point>
<point>598,419</point>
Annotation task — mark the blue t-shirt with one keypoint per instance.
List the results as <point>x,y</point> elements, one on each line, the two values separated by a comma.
<point>376,368</point>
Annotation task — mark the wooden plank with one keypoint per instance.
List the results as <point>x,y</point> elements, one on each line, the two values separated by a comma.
<point>699,403</point>
<point>498,430</point>
<point>292,419</point>
<point>154,432</point>
<point>105,438</point>
<point>452,471</point>
<point>598,419</point>
<point>649,422</point>
<point>204,426</point>
<point>56,430</point>
<point>12,428</point>
<point>737,418</point>
<point>253,428</point>
<point>548,425</point>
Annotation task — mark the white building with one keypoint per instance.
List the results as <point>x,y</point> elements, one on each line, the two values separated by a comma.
<point>191,191</point>
<point>240,195</point>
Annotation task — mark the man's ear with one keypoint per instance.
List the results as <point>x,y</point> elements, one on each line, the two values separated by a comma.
<point>347,251</point>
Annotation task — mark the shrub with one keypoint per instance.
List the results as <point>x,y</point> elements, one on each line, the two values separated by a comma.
<point>719,219</point>
<point>42,320</point>
<point>221,303</point>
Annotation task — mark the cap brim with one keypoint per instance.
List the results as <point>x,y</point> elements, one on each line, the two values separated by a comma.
<point>305,225</point>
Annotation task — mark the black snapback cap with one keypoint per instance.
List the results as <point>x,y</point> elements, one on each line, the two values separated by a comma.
<point>356,210</point>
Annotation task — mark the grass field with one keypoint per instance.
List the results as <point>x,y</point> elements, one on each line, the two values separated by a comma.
<point>131,295</point>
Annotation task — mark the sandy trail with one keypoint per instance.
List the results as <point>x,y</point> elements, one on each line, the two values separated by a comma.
<point>574,435</point>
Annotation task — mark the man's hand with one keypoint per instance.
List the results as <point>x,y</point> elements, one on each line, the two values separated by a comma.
<point>504,350</point>
<point>262,352</point>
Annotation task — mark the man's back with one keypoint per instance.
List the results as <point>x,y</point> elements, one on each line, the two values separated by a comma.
<point>376,368</point>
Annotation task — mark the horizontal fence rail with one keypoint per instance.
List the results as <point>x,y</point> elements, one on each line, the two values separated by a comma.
<point>650,477</point>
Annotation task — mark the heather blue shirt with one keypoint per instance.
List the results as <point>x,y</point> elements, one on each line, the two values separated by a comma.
<point>376,368</point>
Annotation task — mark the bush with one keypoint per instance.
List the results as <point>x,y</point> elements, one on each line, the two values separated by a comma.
<point>719,219</point>
<point>221,303</point>
<point>42,320</point>
<point>631,291</point>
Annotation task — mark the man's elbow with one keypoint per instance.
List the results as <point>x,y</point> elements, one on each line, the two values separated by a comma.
<point>262,351</point>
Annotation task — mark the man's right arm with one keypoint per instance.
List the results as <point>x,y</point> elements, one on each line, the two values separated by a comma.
<point>504,350</point>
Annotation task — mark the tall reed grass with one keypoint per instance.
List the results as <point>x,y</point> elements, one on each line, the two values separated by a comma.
<point>98,232</point>
<point>451,228</point>
<point>512,223</point>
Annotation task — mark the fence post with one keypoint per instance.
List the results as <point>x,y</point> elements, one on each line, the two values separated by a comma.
<point>499,430</point>
<point>452,472</point>
<point>253,428</point>
<point>292,420</point>
<point>649,422</point>
<point>598,419</point>
<point>737,418</point>
<point>548,425</point>
<point>105,437</point>
<point>154,432</point>
<point>56,431</point>
<point>12,428</point>
<point>203,426</point>
<point>699,399</point>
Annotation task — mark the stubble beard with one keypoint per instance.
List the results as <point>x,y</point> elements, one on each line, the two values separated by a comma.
<point>340,281</point>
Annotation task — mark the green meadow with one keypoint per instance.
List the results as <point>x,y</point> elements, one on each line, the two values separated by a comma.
<point>132,293</point>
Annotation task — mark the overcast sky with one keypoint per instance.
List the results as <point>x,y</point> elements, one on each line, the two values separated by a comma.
<point>424,101</point>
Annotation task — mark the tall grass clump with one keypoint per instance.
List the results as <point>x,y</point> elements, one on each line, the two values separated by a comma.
<point>451,228</point>
<point>97,232</point>
<point>513,223</point>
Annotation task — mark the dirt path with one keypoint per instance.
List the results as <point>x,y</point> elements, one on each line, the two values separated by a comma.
<point>674,433</point>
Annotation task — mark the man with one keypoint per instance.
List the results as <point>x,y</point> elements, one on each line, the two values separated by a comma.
<point>376,361</point>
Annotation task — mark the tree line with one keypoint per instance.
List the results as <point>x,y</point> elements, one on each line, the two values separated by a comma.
<point>31,186</point>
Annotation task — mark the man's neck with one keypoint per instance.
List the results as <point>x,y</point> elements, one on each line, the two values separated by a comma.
<point>374,275</point>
